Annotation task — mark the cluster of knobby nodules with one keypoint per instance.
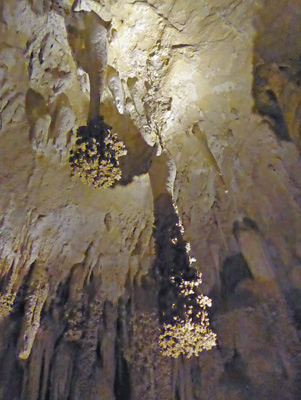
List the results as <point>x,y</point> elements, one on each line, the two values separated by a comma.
<point>183,317</point>
<point>6,304</point>
<point>94,157</point>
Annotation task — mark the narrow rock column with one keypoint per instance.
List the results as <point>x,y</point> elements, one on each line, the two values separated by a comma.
<point>252,248</point>
<point>35,299</point>
<point>87,37</point>
<point>183,320</point>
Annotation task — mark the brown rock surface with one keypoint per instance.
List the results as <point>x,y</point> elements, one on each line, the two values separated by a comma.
<point>215,85</point>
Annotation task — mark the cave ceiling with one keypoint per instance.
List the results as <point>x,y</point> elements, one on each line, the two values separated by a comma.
<point>202,100</point>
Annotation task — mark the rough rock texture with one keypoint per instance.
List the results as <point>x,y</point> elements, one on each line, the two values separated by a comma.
<point>214,84</point>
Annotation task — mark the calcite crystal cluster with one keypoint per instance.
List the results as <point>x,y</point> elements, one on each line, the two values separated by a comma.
<point>94,158</point>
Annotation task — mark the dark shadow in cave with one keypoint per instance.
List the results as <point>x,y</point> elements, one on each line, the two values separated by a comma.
<point>276,60</point>
<point>234,270</point>
<point>139,154</point>
<point>171,260</point>
<point>12,371</point>
<point>122,382</point>
<point>245,225</point>
<point>266,102</point>
<point>235,377</point>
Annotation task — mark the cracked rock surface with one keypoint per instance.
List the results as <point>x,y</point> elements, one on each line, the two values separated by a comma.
<point>216,86</point>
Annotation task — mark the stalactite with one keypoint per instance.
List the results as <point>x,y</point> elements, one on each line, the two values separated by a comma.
<point>182,309</point>
<point>122,381</point>
<point>277,94</point>
<point>74,309</point>
<point>7,299</point>
<point>36,374</point>
<point>11,371</point>
<point>107,349</point>
<point>87,356</point>
<point>87,36</point>
<point>62,122</point>
<point>62,370</point>
<point>115,86</point>
<point>34,302</point>
<point>207,154</point>
<point>183,379</point>
<point>253,250</point>
<point>151,371</point>
<point>94,158</point>
<point>75,345</point>
<point>16,268</point>
<point>267,103</point>
<point>185,323</point>
<point>38,117</point>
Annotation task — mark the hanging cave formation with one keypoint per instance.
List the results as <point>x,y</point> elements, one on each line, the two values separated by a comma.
<point>182,309</point>
<point>173,114</point>
<point>94,159</point>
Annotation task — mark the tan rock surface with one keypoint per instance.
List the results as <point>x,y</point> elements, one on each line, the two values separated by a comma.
<point>216,86</point>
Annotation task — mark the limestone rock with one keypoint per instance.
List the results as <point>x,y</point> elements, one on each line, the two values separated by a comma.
<point>205,96</point>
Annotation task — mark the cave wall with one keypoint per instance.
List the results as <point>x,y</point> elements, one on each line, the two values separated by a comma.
<point>214,84</point>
